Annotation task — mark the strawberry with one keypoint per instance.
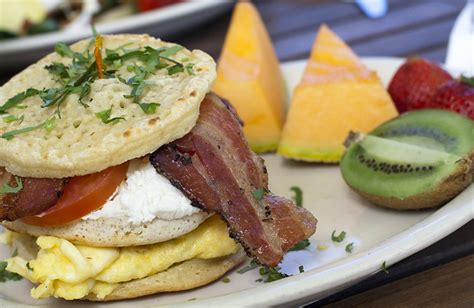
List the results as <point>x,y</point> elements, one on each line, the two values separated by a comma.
<point>457,96</point>
<point>415,83</point>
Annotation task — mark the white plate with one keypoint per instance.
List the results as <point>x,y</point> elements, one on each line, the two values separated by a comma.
<point>379,235</point>
<point>168,20</point>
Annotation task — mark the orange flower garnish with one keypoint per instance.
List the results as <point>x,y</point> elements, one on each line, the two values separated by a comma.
<point>98,56</point>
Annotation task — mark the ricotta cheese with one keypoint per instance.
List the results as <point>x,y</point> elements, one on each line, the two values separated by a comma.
<point>144,196</point>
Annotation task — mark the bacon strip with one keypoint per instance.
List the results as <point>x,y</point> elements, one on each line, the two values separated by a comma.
<point>36,196</point>
<point>215,168</point>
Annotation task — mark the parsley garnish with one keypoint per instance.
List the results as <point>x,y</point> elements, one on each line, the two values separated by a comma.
<point>298,196</point>
<point>15,252</point>
<point>6,275</point>
<point>104,115</point>
<point>252,265</point>
<point>28,266</point>
<point>15,100</point>
<point>272,273</point>
<point>225,280</point>
<point>384,267</point>
<point>7,189</point>
<point>268,274</point>
<point>85,68</point>
<point>339,238</point>
<point>13,118</point>
<point>48,125</point>
<point>300,245</point>
<point>301,269</point>
<point>258,194</point>
<point>149,108</point>
<point>350,247</point>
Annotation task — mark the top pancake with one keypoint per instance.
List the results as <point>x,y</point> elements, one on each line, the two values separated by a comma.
<point>80,142</point>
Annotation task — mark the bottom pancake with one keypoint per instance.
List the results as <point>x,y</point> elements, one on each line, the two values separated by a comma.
<point>184,276</point>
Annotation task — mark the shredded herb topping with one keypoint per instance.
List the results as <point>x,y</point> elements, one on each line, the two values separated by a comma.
<point>6,275</point>
<point>7,189</point>
<point>298,196</point>
<point>383,267</point>
<point>225,280</point>
<point>85,68</point>
<point>300,245</point>
<point>258,194</point>
<point>338,238</point>
<point>104,115</point>
<point>268,274</point>
<point>350,247</point>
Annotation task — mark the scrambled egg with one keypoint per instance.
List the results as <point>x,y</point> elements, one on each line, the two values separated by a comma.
<point>72,272</point>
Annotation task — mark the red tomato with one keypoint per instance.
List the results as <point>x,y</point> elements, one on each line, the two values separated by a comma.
<point>148,5</point>
<point>82,195</point>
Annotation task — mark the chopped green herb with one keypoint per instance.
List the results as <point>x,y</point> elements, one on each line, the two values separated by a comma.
<point>190,68</point>
<point>149,108</point>
<point>252,265</point>
<point>12,118</point>
<point>175,69</point>
<point>467,80</point>
<point>15,100</point>
<point>104,115</point>
<point>7,189</point>
<point>384,267</point>
<point>63,50</point>
<point>15,253</point>
<point>48,125</point>
<point>170,51</point>
<point>300,245</point>
<point>226,280</point>
<point>273,274</point>
<point>339,238</point>
<point>269,273</point>
<point>298,196</point>
<point>192,299</point>
<point>28,266</point>
<point>6,275</point>
<point>350,247</point>
<point>301,269</point>
<point>258,194</point>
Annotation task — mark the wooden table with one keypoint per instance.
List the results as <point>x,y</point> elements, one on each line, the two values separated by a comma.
<point>442,274</point>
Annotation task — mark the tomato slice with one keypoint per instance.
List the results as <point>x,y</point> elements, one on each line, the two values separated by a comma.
<point>81,195</point>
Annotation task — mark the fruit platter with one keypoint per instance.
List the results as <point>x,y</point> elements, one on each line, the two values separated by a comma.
<point>373,155</point>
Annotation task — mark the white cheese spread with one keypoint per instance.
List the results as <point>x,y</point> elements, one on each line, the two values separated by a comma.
<point>144,196</point>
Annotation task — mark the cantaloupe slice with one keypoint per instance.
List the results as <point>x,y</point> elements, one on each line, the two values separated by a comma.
<point>249,76</point>
<point>336,94</point>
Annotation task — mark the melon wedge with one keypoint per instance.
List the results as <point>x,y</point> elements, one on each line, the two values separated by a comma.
<point>249,77</point>
<point>336,94</point>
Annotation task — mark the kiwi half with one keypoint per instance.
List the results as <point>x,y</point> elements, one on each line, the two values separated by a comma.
<point>418,160</point>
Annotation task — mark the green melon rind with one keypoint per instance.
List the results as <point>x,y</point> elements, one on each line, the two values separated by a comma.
<point>311,154</point>
<point>259,147</point>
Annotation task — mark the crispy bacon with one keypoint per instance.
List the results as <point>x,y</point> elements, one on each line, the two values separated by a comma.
<point>36,196</point>
<point>215,168</point>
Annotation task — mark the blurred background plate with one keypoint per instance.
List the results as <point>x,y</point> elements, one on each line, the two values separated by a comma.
<point>166,21</point>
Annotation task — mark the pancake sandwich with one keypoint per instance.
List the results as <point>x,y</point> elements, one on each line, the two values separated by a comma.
<point>122,176</point>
